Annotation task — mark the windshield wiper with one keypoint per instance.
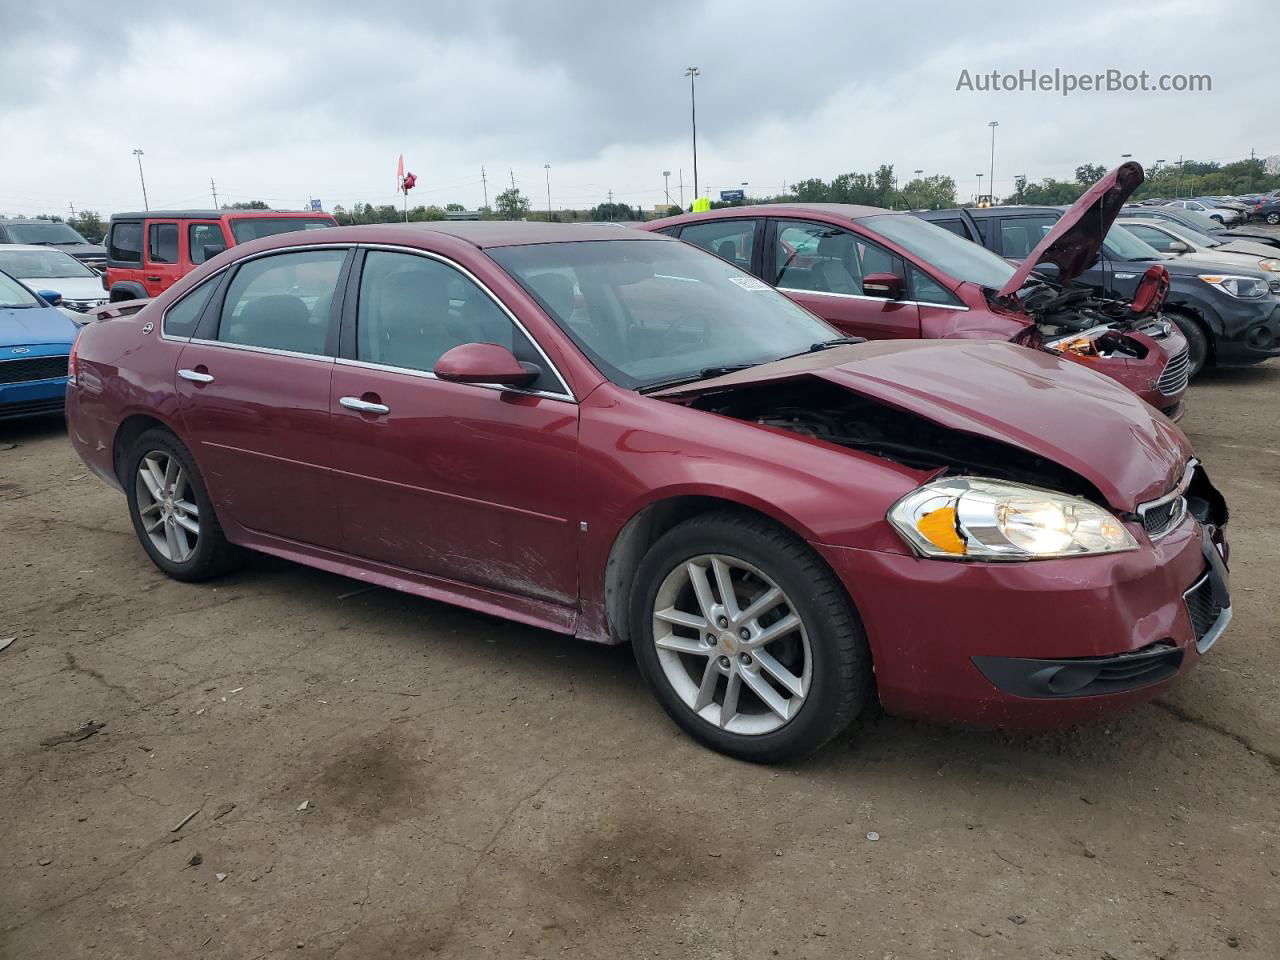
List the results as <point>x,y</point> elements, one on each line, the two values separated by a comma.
<point>706,373</point>
<point>825,345</point>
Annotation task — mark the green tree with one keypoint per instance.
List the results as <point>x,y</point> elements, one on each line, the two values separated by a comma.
<point>929,193</point>
<point>612,211</point>
<point>511,204</point>
<point>1090,173</point>
<point>89,225</point>
<point>246,205</point>
<point>455,207</point>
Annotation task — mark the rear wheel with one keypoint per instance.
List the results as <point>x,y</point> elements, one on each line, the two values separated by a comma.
<point>747,639</point>
<point>171,510</point>
<point>1273,217</point>
<point>1197,341</point>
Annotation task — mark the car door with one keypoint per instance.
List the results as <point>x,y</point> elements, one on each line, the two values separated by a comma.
<point>820,266</point>
<point>254,384</point>
<point>468,482</point>
<point>162,266</point>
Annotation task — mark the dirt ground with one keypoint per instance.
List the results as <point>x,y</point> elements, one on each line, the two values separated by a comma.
<point>476,788</point>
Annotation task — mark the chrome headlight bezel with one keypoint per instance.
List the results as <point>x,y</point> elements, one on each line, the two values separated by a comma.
<point>993,520</point>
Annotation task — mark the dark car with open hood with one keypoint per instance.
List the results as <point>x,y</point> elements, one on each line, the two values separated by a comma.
<point>615,435</point>
<point>882,274</point>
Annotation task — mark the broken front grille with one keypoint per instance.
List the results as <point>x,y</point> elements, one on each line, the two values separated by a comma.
<point>1207,617</point>
<point>1176,373</point>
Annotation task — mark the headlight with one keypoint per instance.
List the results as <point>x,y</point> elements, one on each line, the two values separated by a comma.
<point>962,518</point>
<point>1081,344</point>
<point>1272,265</point>
<point>1242,288</point>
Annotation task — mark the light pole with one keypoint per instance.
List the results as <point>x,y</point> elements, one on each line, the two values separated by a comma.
<point>918,172</point>
<point>547,167</point>
<point>138,153</point>
<point>991,181</point>
<point>666,185</point>
<point>692,73</point>
<point>979,188</point>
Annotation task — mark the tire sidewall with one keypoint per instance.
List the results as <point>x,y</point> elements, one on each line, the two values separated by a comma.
<point>811,727</point>
<point>1273,218</point>
<point>198,564</point>
<point>1197,341</point>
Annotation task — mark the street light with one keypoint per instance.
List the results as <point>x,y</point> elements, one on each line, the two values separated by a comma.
<point>547,167</point>
<point>666,185</point>
<point>991,182</point>
<point>918,172</point>
<point>138,153</point>
<point>692,73</point>
<point>979,188</point>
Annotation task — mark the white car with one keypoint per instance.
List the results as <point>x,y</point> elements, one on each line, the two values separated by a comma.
<point>1224,215</point>
<point>1179,241</point>
<point>46,268</point>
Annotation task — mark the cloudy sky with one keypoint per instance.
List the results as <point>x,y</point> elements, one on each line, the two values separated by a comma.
<point>282,102</point>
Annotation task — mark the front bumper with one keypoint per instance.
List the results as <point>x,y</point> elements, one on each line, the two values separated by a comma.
<point>1250,335</point>
<point>967,643</point>
<point>32,398</point>
<point>1146,376</point>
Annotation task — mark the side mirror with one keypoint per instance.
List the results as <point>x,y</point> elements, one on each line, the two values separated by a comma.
<point>1178,246</point>
<point>211,250</point>
<point>51,297</point>
<point>887,285</point>
<point>484,363</point>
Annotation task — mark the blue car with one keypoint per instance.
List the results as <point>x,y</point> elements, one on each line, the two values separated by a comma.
<point>35,343</point>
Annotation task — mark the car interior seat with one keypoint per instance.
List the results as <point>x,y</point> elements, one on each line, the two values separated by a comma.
<point>831,269</point>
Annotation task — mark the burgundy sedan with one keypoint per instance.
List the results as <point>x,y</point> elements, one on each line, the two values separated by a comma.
<point>618,436</point>
<point>883,274</point>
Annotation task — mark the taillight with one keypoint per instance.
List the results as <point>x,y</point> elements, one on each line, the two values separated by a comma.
<point>71,360</point>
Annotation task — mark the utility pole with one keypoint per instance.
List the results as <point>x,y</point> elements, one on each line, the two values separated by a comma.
<point>1177,187</point>
<point>73,210</point>
<point>991,181</point>
<point>138,153</point>
<point>692,73</point>
<point>547,167</point>
<point>513,178</point>
<point>1252,161</point>
<point>666,185</point>
<point>213,187</point>
<point>681,188</point>
<point>485,183</point>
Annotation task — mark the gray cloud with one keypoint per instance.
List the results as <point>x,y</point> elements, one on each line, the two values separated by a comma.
<point>283,101</point>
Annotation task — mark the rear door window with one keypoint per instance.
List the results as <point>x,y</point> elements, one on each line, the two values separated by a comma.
<point>180,319</point>
<point>162,243</point>
<point>283,302</point>
<point>126,242</point>
<point>730,240</point>
<point>1020,235</point>
<point>202,235</point>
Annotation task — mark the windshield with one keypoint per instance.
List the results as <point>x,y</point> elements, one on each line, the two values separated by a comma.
<point>43,233</point>
<point>15,295</point>
<point>41,264</point>
<point>942,249</point>
<point>1202,222</point>
<point>251,228</point>
<point>1194,236</point>
<point>648,312</point>
<point>1123,245</point>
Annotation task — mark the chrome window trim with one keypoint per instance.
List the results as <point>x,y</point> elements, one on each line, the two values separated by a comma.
<point>1175,494</point>
<point>428,375</point>
<point>164,316</point>
<point>253,348</point>
<point>859,296</point>
<point>453,264</point>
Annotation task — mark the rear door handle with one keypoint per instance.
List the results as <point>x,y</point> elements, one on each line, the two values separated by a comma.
<point>363,406</point>
<point>155,279</point>
<point>195,376</point>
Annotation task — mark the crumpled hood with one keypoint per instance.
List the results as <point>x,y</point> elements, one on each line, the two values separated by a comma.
<point>1054,408</point>
<point>1073,243</point>
<point>32,325</point>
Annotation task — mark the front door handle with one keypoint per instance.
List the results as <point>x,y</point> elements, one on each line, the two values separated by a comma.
<point>155,279</point>
<point>363,406</point>
<point>195,376</point>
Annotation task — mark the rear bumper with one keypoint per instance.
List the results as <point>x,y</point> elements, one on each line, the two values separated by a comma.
<point>1029,646</point>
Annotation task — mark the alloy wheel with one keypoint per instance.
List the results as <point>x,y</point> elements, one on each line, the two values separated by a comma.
<point>167,506</point>
<point>732,645</point>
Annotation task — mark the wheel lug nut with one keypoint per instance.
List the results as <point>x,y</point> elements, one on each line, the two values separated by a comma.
<point>723,622</point>
<point>724,662</point>
<point>745,660</point>
<point>744,633</point>
<point>711,639</point>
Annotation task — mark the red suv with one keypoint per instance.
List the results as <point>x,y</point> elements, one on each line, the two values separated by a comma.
<point>148,252</point>
<point>882,274</point>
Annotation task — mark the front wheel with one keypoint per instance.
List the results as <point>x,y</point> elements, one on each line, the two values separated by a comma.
<point>747,639</point>
<point>171,510</point>
<point>1197,342</point>
<point>1273,218</point>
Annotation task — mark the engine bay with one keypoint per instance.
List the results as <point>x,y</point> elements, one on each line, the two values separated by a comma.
<point>1077,312</point>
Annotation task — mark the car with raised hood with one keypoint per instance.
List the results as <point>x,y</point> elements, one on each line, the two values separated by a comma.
<point>53,233</point>
<point>79,287</point>
<point>35,343</point>
<point>150,250</point>
<point>611,434</point>
<point>881,274</point>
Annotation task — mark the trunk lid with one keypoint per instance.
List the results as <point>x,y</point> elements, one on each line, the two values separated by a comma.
<point>1073,243</point>
<point>1056,409</point>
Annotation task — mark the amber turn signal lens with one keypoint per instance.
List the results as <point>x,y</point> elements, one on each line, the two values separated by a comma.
<point>939,528</point>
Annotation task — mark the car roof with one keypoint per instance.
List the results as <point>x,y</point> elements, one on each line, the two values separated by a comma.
<point>479,233</point>
<point>213,214</point>
<point>33,248</point>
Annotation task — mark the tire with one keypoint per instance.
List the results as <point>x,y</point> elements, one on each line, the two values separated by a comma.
<point>1197,341</point>
<point>210,555</point>
<point>1273,217</point>
<point>1214,216</point>
<point>825,659</point>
